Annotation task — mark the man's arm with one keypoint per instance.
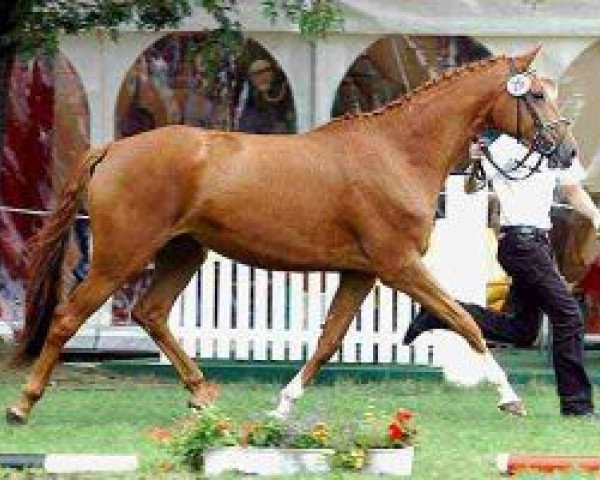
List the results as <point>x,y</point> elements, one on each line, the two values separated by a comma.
<point>581,201</point>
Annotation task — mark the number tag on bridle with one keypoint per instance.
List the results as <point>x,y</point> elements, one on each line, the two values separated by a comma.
<point>518,85</point>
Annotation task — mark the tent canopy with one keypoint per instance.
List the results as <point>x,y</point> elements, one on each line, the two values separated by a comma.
<point>447,17</point>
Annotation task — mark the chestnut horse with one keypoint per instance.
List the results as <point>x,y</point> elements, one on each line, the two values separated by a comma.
<point>356,196</point>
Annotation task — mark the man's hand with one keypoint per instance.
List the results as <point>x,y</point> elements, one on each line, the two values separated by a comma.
<point>475,151</point>
<point>581,201</point>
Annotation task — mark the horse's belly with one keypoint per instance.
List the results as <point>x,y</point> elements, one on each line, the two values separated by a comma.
<point>280,252</point>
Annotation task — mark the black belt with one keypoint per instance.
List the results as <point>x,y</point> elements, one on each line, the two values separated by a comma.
<point>524,230</point>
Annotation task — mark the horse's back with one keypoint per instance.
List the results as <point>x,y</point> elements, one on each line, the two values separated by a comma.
<point>273,200</point>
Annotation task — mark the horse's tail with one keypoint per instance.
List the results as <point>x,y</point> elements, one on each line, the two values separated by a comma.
<point>46,251</point>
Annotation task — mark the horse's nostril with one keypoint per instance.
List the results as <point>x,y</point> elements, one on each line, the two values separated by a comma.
<point>573,153</point>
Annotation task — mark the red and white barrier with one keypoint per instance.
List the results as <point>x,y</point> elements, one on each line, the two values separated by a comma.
<point>512,463</point>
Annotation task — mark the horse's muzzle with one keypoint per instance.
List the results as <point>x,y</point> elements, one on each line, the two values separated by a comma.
<point>562,157</point>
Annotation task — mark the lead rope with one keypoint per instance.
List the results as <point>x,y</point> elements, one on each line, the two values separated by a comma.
<point>505,173</point>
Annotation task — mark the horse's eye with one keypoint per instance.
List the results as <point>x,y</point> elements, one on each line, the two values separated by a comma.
<point>537,95</point>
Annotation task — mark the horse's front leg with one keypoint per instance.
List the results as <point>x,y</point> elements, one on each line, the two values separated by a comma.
<point>351,292</point>
<point>465,367</point>
<point>415,280</point>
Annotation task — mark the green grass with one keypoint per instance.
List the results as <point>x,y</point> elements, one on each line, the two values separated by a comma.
<point>460,430</point>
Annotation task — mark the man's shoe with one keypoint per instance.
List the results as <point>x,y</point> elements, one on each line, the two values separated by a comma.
<point>589,416</point>
<point>516,408</point>
<point>423,322</point>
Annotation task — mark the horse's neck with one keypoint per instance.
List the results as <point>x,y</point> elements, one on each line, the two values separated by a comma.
<point>434,129</point>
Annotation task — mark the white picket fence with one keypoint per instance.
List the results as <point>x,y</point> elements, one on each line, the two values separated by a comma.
<point>232,311</point>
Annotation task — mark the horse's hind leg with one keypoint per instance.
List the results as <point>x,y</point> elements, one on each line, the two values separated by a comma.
<point>176,262</point>
<point>68,317</point>
<point>350,294</point>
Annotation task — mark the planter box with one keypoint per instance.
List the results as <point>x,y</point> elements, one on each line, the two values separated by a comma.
<point>265,461</point>
<point>390,461</point>
<point>280,461</point>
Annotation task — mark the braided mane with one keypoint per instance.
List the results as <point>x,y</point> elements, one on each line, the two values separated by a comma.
<point>447,75</point>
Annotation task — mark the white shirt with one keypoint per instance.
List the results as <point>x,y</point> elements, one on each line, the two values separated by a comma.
<point>526,202</point>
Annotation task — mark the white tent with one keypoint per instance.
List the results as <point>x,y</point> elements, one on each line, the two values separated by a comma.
<point>568,32</point>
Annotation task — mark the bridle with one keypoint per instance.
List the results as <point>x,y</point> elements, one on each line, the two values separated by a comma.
<point>546,140</point>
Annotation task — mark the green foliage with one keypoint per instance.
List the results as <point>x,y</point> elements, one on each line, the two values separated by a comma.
<point>209,428</point>
<point>350,439</point>
<point>350,459</point>
<point>314,18</point>
<point>38,23</point>
<point>266,433</point>
<point>375,429</point>
<point>306,440</point>
<point>220,47</point>
<point>381,430</point>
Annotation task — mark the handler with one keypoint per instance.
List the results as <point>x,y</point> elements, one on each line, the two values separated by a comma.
<point>525,253</point>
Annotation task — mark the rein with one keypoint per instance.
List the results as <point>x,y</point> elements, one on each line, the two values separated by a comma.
<point>506,173</point>
<point>477,177</point>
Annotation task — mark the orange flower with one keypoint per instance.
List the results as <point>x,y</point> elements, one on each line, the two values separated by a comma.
<point>403,415</point>
<point>319,432</point>
<point>223,426</point>
<point>165,466</point>
<point>160,435</point>
<point>248,429</point>
<point>395,431</point>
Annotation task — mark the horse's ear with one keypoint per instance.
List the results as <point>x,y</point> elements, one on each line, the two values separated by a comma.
<point>523,62</point>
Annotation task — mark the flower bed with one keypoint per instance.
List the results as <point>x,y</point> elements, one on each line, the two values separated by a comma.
<point>377,443</point>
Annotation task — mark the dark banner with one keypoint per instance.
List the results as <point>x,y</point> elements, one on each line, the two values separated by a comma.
<point>47,128</point>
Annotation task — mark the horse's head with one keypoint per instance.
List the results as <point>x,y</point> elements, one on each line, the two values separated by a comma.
<point>527,109</point>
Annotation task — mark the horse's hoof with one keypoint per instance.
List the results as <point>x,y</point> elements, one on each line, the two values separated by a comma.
<point>516,408</point>
<point>204,397</point>
<point>14,416</point>
<point>277,415</point>
<point>197,405</point>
